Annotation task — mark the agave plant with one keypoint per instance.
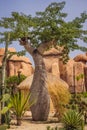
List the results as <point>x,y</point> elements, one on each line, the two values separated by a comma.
<point>72,120</point>
<point>18,103</point>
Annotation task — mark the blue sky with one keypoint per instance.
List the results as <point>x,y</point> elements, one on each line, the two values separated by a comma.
<point>72,7</point>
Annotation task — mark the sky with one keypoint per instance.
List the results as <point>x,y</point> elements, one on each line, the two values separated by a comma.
<point>73,8</point>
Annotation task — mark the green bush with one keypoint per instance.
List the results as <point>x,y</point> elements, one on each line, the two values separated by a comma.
<point>15,80</point>
<point>72,120</point>
<point>78,102</point>
<point>12,82</point>
<point>3,127</point>
<point>19,103</point>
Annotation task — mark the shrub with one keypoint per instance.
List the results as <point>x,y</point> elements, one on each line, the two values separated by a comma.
<point>72,120</point>
<point>12,82</point>
<point>18,104</point>
<point>15,79</point>
<point>3,127</point>
<point>78,102</point>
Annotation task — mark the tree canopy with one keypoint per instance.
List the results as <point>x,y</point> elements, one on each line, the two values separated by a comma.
<point>46,26</point>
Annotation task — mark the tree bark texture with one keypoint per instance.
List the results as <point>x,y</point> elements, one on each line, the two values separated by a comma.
<point>39,92</point>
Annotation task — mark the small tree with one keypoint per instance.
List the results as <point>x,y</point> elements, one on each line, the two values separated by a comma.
<point>3,72</point>
<point>6,39</point>
<point>13,81</point>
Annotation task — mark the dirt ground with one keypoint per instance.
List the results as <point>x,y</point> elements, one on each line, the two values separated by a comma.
<point>34,126</point>
<point>28,124</point>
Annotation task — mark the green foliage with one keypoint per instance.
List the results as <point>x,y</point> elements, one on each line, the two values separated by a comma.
<point>18,103</point>
<point>3,127</point>
<point>20,53</point>
<point>79,102</point>
<point>72,120</point>
<point>78,77</point>
<point>84,94</point>
<point>5,97</point>
<point>10,81</point>
<point>47,26</point>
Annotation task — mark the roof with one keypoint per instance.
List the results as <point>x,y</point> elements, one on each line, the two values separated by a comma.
<point>26,84</point>
<point>20,58</point>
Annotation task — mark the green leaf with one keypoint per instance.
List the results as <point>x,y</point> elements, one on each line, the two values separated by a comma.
<point>72,119</point>
<point>4,110</point>
<point>5,97</point>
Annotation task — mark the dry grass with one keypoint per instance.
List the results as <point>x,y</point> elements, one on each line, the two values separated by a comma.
<point>60,96</point>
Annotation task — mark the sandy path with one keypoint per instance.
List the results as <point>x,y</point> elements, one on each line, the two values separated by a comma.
<point>28,124</point>
<point>34,126</point>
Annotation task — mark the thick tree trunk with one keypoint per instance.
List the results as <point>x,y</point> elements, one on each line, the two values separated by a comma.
<point>39,92</point>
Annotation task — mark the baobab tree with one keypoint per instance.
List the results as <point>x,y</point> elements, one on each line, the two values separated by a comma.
<point>39,33</point>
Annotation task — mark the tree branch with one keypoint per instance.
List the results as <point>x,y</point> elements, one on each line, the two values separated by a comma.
<point>46,45</point>
<point>27,45</point>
